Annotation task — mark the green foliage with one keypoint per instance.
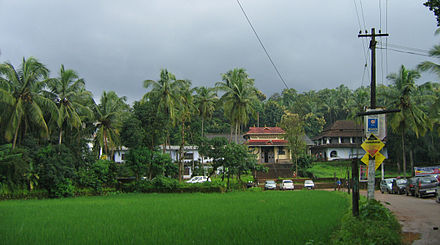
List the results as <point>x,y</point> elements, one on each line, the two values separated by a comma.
<point>55,164</point>
<point>434,6</point>
<point>97,175</point>
<point>375,225</point>
<point>144,162</point>
<point>64,188</point>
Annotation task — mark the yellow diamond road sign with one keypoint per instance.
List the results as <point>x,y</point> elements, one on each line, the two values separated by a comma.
<point>378,159</point>
<point>372,145</point>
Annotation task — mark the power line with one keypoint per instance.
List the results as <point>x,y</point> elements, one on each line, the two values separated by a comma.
<point>363,42</point>
<point>261,43</point>
<point>403,51</point>
<point>409,48</point>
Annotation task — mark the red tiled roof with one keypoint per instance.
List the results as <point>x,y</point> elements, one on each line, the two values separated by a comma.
<point>266,142</point>
<point>265,130</point>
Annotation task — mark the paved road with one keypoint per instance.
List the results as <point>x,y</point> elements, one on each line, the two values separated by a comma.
<point>417,215</point>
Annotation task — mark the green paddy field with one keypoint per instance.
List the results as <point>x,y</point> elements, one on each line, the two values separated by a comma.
<point>270,217</point>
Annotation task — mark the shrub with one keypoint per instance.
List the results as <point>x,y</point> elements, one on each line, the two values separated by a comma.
<point>54,166</point>
<point>65,189</point>
<point>375,225</point>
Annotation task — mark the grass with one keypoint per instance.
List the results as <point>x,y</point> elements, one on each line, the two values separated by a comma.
<point>270,217</point>
<point>328,169</point>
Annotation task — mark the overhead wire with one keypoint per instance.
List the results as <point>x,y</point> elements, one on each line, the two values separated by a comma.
<point>362,40</point>
<point>381,51</point>
<point>262,45</point>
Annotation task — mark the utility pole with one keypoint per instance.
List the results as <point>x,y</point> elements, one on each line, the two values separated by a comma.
<point>372,163</point>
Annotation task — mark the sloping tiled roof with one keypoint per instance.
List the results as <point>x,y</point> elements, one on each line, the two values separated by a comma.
<point>266,142</point>
<point>265,130</point>
<point>342,128</point>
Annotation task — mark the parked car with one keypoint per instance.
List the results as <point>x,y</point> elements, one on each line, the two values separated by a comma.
<point>386,185</point>
<point>398,186</point>
<point>411,186</point>
<point>426,185</point>
<point>308,184</point>
<point>437,199</point>
<point>270,185</point>
<point>198,179</point>
<point>287,185</point>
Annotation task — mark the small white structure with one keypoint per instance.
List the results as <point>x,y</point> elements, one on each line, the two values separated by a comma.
<point>340,141</point>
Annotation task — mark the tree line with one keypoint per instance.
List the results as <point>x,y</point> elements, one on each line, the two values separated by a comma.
<point>43,115</point>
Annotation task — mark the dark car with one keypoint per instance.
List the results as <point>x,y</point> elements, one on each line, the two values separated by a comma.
<point>426,185</point>
<point>411,186</point>
<point>398,186</point>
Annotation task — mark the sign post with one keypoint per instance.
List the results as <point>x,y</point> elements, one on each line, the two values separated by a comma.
<point>373,158</point>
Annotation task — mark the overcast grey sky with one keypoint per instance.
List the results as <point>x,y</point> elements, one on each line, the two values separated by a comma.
<point>116,45</point>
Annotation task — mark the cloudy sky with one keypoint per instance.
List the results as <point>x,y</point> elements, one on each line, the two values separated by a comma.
<point>116,45</point>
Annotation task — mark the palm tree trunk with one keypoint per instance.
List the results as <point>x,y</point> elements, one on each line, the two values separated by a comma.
<point>181,151</point>
<point>202,126</point>
<point>411,160</point>
<point>403,156</point>
<point>105,144</point>
<point>236,132</point>
<point>61,136</point>
<point>16,134</point>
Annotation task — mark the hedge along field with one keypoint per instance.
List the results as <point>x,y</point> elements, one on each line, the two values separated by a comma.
<point>271,217</point>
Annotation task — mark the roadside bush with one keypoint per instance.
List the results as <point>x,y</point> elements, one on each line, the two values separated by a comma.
<point>375,225</point>
<point>55,167</point>
<point>65,189</point>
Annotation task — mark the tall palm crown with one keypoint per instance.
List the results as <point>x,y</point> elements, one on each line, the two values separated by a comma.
<point>239,96</point>
<point>69,92</point>
<point>108,120</point>
<point>166,91</point>
<point>401,93</point>
<point>205,100</point>
<point>22,100</point>
<point>431,66</point>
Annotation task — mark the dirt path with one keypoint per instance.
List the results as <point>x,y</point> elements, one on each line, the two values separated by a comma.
<point>416,215</point>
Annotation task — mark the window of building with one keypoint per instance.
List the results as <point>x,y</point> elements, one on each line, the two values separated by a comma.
<point>123,156</point>
<point>345,140</point>
<point>333,154</point>
<point>281,151</point>
<point>189,156</point>
<point>334,140</point>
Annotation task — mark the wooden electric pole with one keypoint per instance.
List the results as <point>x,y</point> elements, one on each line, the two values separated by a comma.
<point>372,164</point>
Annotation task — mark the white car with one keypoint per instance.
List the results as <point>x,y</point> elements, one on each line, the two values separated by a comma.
<point>308,184</point>
<point>198,179</point>
<point>270,185</point>
<point>287,185</point>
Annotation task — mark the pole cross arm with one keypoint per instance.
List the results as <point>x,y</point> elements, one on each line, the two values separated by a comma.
<point>360,114</point>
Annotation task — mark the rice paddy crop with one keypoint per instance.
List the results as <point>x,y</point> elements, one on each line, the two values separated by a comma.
<point>271,217</point>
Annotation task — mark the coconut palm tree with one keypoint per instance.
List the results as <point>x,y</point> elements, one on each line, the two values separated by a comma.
<point>23,104</point>
<point>166,92</point>
<point>411,117</point>
<point>205,100</point>
<point>239,97</point>
<point>69,92</point>
<point>108,121</point>
<point>185,110</point>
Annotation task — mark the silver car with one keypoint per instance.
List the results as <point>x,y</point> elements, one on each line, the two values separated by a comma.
<point>270,185</point>
<point>386,185</point>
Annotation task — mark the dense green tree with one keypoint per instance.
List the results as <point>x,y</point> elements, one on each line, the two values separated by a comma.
<point>21,99</point>
<point>293,126</point>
